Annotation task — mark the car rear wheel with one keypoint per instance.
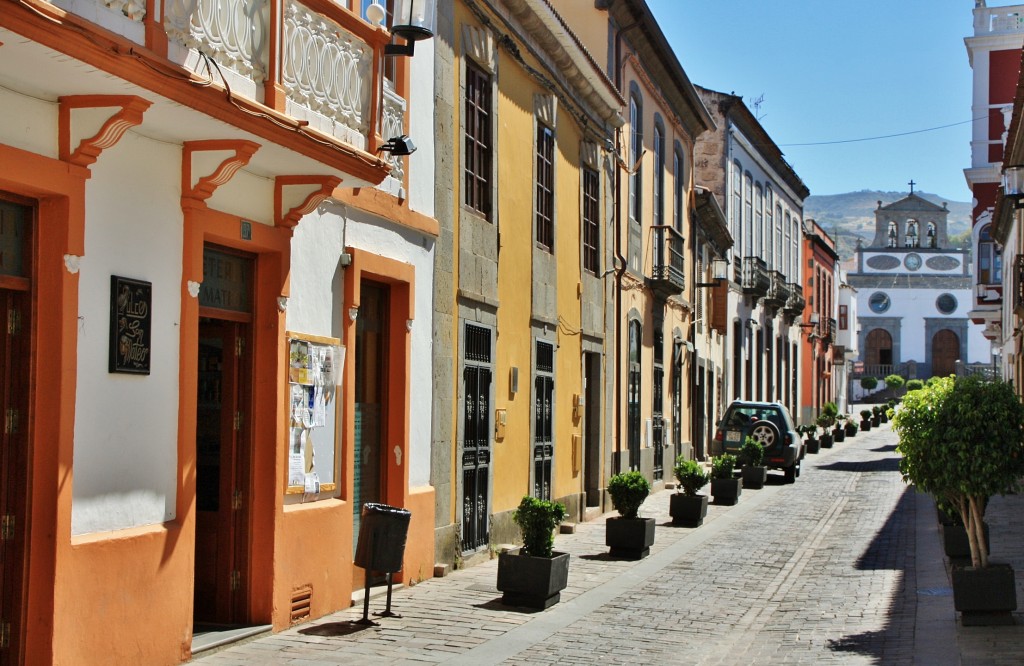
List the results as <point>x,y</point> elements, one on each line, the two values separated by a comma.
<point>791,472</point>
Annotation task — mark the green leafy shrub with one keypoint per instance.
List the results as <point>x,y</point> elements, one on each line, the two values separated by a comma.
<point>876,410</point>
<point>914,385</point>
<point>852,427</point>
<point>894,381</point>
<point>808,430</point>
<point>830,408</point>
<point>961,440</point>
<point>865,414</point>
<point>825,421</point>
<point>537,520</point>
<point>868,383</point>
<point>723,466</point>
<point>628,491</point>
<point>690,475</point>
<point>931,380</point>
<point>751,453</point>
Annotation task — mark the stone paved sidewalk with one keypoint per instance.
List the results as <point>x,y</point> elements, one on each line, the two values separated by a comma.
<point>842,567</point>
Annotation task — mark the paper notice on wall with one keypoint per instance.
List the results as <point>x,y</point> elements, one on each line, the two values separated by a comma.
<point>299,405</point>
<point>299,363</point>
<point>296,459</point>
<point>311,487</point>
<point>319,407</point>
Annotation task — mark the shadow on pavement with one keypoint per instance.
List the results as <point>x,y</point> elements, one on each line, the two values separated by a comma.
<point>882,465</point>
<point>346,628</point>
<point>886,448</point>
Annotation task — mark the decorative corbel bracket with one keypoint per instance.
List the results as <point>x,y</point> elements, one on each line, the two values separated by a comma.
<point>129,115</point>
<point>241,152</point>
<point>290,206</point>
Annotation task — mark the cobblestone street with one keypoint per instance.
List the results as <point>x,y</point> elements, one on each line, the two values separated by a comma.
<point>823,571</point>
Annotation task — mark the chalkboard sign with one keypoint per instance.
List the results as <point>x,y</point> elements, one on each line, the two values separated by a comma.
<point>131,325</point>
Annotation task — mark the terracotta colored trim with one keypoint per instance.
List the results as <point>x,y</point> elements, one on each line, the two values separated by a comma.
<point>85,41</point>
<point>372,200</point>
<point>206,185</point>
<point>113,129</point>
<point>59,189</point>
<point>322,186</point>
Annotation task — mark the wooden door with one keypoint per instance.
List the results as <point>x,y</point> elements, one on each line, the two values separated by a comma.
<point>16,225</point>
<point>945,353</point>
<point>222,473</point>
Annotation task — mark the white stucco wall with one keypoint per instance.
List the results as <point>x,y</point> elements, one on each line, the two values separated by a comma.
<point>126,426</point>
<point>317,302</point>
<point>421,128</point>
<point>28,123</point>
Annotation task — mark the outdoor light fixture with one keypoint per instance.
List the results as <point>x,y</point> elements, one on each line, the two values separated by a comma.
<point>413,20</point>
<point>1013,184</point>
<point>814,319</point>
<point>720,270</point>
<point>398,146</point>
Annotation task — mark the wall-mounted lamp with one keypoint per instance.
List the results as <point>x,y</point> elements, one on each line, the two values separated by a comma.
<point>813,321</point>
<point>413,21</point>
<point>353,313</point>
<point>398,146</point>
<point>720,271</point>
<point>1013,185</point>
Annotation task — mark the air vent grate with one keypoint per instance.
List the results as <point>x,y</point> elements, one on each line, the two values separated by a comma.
<point>301,600</point>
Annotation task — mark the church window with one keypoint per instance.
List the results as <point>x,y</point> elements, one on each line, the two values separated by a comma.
<point>879,302</point>
<point>946,304</point>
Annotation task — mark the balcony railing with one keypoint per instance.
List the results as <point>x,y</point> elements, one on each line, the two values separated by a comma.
<point>668,272</point>
<point>312,60</point>
<point>1018,286</point>
<point>756,280</point>
<point>778,291</point>
<point>796,303</point>
<point>828,330</point>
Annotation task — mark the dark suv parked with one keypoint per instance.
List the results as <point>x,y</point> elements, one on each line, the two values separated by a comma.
<point>771,426</point>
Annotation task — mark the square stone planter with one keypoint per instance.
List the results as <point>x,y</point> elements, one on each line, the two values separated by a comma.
<point>686,510</point>
<point>865,425</point>
<point>629,538</point>
<point>533,582</point>
<point>955,543</point>
<point>986,596</point>
<point>826,441</point>
<point>813,445</point>
<point>754,477</point>
<point>851,430</point>
<point>839,435</point>
<point>726,491</point>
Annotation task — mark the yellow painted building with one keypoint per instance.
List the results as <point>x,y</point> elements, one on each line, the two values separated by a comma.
<point>522,296</point>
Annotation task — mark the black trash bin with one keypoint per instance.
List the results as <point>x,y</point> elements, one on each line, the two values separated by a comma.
<point>381,547</point>
<point>382,533</point>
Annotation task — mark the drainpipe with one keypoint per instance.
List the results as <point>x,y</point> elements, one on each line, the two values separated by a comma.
<point>621,268</point>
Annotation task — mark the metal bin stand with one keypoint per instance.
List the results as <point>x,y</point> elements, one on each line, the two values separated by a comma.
<point>381,547</point>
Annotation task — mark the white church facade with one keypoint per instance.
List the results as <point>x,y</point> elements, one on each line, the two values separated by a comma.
<point>914,292</point>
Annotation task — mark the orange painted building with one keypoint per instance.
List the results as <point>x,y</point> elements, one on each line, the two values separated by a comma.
<point>821,327</point>
<point>217,290</point>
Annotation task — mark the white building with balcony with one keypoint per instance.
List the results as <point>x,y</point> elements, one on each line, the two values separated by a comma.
<point>216,269</point>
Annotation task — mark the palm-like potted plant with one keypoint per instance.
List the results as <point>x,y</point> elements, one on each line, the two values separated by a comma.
<point>961,441</point>
<point>753,473</point>
<point>865,420</point>
<point>724,488</point>
<point>534,575</point>
<point>688,508</point>
<point>839,432</point>
<point>629,536</point>
<point>810,433</point>
<point>825,422</point>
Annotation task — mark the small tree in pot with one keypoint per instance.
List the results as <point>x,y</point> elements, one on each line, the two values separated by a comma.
<point>810,432</point>
<point>535,575</point>
<point>865,420</point>
<point>839,433</point>
<point>629,536</point>
<point>724,488</point>
<point>851,426</point>
<point>894,382</point>
<point>825,422</point>
<point>961,440</point>
<point>754,473</point>
<point>688,508</point>
<point>869,383</point>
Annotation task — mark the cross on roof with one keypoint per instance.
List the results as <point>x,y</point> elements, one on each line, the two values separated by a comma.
<point>912,186</point>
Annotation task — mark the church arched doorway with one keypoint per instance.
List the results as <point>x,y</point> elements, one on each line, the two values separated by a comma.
<point>878,348</point>
<point>945,353</point>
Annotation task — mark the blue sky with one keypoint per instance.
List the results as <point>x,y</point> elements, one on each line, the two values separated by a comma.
<point>833,71</point>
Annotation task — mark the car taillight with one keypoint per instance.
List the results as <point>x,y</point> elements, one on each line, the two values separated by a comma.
<point>787,439</point>
<point>718,436</point>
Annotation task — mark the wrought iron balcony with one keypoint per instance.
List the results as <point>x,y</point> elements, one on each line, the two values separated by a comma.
<point>756,280</point>
<point>796,303</point>
<point>778,291</point>
<point>668,271</point>
<point>828,332</point>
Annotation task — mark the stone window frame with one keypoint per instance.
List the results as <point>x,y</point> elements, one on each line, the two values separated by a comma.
<point>478,50</point>
<point>544,178</point>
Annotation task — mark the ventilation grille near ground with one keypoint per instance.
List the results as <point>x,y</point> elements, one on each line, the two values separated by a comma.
<point>301,600</point>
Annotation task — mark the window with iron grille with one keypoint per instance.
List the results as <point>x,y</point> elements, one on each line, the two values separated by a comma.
<point>545,204</point>
<point>591,228</point>
<point>476,435</point>
<point>658,400</point>
<point>478,140</point>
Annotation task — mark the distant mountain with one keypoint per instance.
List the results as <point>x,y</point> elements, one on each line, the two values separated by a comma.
<point>847,217</point>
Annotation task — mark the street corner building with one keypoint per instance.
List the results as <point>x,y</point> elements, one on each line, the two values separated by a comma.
<point>217,268</point>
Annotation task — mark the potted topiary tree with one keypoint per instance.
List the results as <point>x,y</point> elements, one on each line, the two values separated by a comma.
<point>869,383</point>
<point>865,420</point>
<point>914,385</point>
<point>688,508</point>
<point>534,575</point>
<point>851,426</point>
<point>825,422</point>
<point>810,432</point>
<point>876,416</point>
<point>724,488</point>
<point>961,441</point>
<point>839,432</point>
<point>753,473</point>
<point>894,382</point>
<point>629,536</point>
